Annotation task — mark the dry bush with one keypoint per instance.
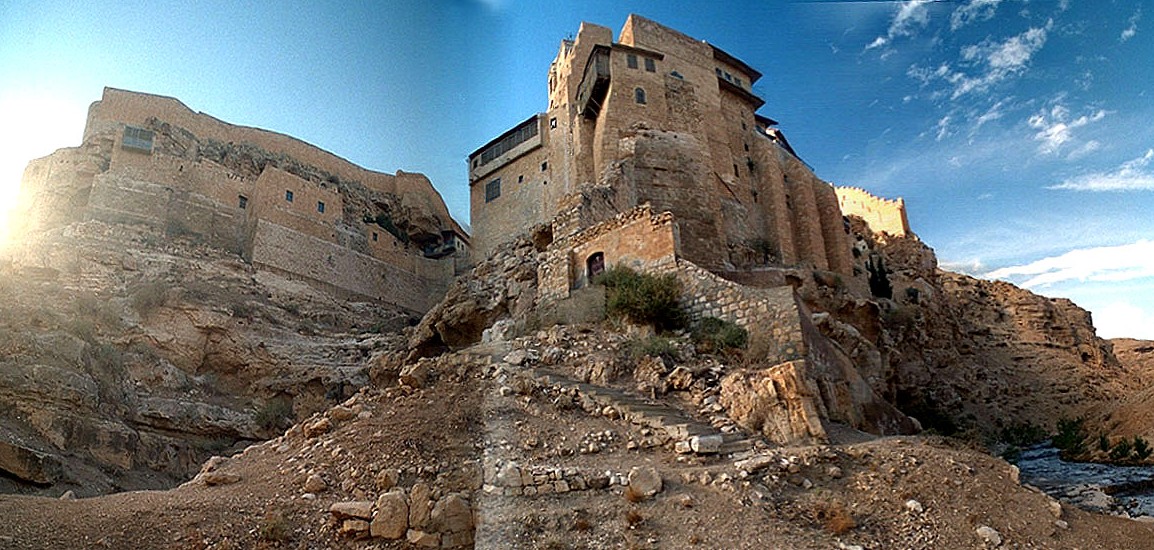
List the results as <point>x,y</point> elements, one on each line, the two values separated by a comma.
<point>633,518</point>
<point>834,517</point>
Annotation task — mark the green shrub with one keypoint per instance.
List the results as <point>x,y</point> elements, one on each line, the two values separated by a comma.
<point>1022,434</point>
<point>713,335</point>
<point>274,415</point>
<point>1071,437</point>
<point>654,346</point>
<point>1142,449</point>
<point>643,298</point>
<point>1121,450</point>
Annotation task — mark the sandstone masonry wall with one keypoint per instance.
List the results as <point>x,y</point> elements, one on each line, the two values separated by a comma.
<point>882,215</point>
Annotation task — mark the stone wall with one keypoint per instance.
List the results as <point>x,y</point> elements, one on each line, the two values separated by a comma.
<point>638,239</point>
<point>881,215</point>
<point>118,107</point>
<point>771,315</point>
<point>345,272</point>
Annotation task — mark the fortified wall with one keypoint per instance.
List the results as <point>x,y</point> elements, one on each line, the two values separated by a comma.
<point>881,215</point>
<point>280,203</point>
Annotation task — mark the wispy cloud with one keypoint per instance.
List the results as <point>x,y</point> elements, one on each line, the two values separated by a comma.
<point>993,113</point>
<point>1132,175</point>
<point>990,62</point>
<point>975,11</point>
<point>1055,128</point>
<point>1099,264</point>
<point>1132,26</point>
<point>911,16</point>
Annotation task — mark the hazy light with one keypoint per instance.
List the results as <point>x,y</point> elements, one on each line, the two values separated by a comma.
<point>33,127</point>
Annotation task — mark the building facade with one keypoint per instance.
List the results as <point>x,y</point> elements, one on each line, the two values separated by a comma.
<point>658,117</point>
<point>280,203</point>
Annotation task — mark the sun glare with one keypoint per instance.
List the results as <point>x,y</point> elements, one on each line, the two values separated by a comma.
<point>33,127</point>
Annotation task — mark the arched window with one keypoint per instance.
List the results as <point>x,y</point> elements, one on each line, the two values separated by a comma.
<point>639,95</point>
<point>595,265</point>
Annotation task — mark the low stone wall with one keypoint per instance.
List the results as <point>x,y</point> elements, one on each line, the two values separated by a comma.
<point>771,315</point>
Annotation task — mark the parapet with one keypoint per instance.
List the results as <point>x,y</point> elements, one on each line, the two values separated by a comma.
<point>882,215</point>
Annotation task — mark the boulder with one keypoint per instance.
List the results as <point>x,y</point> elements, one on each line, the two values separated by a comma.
<point>392,518</point>
<point>452,514</point>
<point>644,481</point>
<point>359,509</point>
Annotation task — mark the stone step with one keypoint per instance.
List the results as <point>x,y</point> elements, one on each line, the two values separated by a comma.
<point>677,424</point>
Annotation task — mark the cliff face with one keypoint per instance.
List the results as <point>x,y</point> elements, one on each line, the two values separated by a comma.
<point>128,357</point>
<point>960,353</point>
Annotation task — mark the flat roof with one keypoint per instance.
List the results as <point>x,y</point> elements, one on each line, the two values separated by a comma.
<point>721,55</point>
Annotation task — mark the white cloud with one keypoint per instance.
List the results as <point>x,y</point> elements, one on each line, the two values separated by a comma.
<point>993,62</point>
<point>1132,175</point>
<point>1132,26</point>
<point>911,15</point>
<point>943,128</point>
<point>975,11</point>
<point>1055,128</point>
<point>1123,320</point>
<point>993,113</point>
<point>1086,148</point>
<point>1102,264</point>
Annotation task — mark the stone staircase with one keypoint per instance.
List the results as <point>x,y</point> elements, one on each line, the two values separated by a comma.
<point>688,434</point>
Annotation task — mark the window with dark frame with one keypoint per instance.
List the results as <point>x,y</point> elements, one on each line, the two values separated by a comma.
<point>137,138</point>
<point>544,166</point>
<point>639,96</point>
<point>631,61</point>
<point>650,65</point>
<point>242,201</point>
<point>493,190</point>
<point>288,196</point>
<point>320,207</point>
<point>375,236</point>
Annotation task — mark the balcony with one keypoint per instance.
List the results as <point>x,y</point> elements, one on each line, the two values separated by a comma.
<point>594,84</point>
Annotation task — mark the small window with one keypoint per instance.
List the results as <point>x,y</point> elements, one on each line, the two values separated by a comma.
<point>137,138</point>
<point>728,76</point>
<point>544,166</point>
<point>650,65</point>
<point>242,201</point>
<point>735,172</point>
<point>718,71</point>
<point>639,96</point>
<point>288,196</point>
<point>676,75</point>
<point>520,179</point>
<point>747,147</point>
<point>493,190</point>
<point>631,61</point>
<point>320,207</point>
<point>553,122</point>
<point>738,82</point>
<point>375,236</point>
<point>595,265</point>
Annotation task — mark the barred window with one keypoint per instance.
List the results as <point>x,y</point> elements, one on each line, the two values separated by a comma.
<point>493,190</point>
<point>137,138</point>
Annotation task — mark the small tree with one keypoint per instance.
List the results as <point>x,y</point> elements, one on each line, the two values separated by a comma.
<point>1071,437</point>
<point>1121,450</point>
<point>1142,449</point>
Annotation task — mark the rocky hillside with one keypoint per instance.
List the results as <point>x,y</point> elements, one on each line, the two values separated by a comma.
<point>129,357</point>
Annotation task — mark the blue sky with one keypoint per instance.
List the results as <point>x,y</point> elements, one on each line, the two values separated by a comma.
<point>1018,131</point>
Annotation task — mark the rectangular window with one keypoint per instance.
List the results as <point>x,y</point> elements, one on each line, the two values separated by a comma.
<point>650,65</point>
<point>520,179</point>
<point>728,76</point>
<point>137,138</point>
<point>738,82</point>
<point>374,236</point>
<point>242,202</point>
<point>544,166</point>
<point>288,196</point>
<point>493,190</point>
<point>718,71</point>
<point>553,122</point>
<point>516,137</point>
<point>631,61</point>
<point>320,207</point>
